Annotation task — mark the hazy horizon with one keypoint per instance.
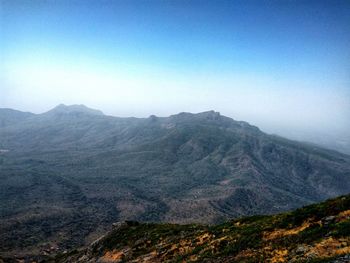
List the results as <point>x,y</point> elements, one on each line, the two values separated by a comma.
<point>282,66</point>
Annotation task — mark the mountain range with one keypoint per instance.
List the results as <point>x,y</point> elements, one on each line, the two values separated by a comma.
<point>68,174</point>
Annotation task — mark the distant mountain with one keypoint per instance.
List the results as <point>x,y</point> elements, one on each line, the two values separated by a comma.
<point>316,233</point>
<point>73,109</point>
<point>69,173</point>
<point>10,117</point>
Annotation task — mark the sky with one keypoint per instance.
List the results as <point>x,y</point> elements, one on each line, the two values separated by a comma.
<point>281,65</point>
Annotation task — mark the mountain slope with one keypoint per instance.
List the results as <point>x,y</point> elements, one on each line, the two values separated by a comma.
<point>72,164</point>
<point>315,233</point>
<point>11,117</point>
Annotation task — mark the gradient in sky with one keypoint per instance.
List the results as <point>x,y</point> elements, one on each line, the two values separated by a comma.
<point>282,65</point>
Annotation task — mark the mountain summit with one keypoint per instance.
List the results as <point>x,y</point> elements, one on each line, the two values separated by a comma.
<point>68,109</point>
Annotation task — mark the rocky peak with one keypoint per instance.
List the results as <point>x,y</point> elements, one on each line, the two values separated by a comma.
<point>67,109</point>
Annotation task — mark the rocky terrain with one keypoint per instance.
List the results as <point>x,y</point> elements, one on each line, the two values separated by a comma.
<point>68,174</point>
<point>316,233</point>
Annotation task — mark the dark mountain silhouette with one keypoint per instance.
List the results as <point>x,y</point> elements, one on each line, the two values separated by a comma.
<point>67,174</point>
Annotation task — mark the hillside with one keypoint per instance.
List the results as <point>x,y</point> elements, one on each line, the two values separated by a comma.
<point>10,117</point>
<point>316,233</point>
<point>67,174</point>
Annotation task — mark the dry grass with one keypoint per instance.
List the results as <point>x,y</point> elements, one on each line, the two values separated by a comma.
<point>330,247</point>
<point>285,232</point>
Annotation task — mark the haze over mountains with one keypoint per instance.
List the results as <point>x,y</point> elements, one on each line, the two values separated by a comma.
<point>67,174</point>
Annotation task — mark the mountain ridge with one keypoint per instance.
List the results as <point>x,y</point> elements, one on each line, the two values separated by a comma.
<point>10,116</point>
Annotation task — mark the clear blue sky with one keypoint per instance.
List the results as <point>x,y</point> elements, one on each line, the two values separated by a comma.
<point>272,63</point>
